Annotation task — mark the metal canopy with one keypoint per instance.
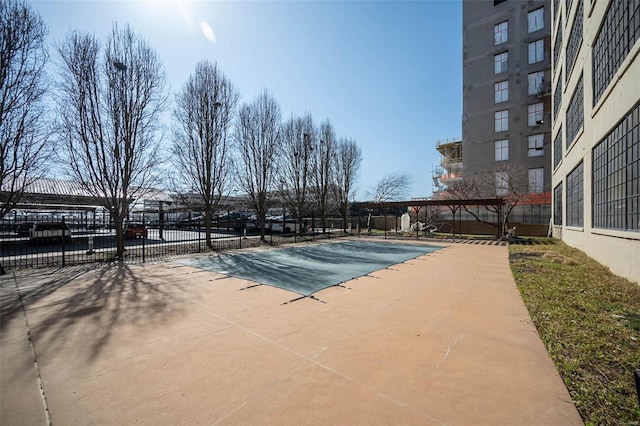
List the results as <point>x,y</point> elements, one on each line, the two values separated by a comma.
<point>433,202</point>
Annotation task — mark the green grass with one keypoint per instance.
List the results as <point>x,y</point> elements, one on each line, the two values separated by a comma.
<point>589,320</point>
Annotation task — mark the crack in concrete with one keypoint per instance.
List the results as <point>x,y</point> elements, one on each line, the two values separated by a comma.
<point>458,300</point>
<point>448,351</point>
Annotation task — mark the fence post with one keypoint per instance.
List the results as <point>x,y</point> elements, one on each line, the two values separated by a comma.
<point>385,225</point>
<point>199,236</point>
<point>144,239</point>
<point>64,239</point>
<point>90,242</point>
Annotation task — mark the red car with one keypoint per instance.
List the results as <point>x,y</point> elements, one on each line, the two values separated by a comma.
<point>135,230</point>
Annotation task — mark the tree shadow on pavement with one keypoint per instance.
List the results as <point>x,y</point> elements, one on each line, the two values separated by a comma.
<point>33,287</point>
<point>80,309</point>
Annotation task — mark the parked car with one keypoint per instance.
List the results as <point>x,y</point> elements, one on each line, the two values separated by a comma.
<point>43,231</point>
<point>24,228</point>
<point>135,230</point>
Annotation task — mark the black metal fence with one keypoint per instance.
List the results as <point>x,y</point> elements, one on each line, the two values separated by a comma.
<point>86,242</point>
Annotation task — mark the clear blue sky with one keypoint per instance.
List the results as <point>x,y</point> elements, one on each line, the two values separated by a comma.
<point>387,74</point>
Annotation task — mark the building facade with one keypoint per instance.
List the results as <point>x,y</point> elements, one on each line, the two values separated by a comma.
<point>506,124</point>
<point>596,130</point>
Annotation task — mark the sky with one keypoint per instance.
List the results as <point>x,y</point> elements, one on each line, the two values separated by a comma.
<point>386,74</point>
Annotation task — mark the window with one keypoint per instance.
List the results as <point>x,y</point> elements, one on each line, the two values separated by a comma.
<point>536,145</point>
<point>557,97</point>
<point>536,51</point>
<point>536,180</point>
<point>502,183</point>
<point>616,176</point>
<point>557,46</point>
<point>501,91</point>
<point>501,62</point>
<point>575,113</point>
<point>574,41</point>
<point>536,20</point>
<point>502,150</point>
<point>619,32</point>
<point>535,114</point>
<point>501,120</point>
<point>536,80</point>
<point>557,205</point>
<point>575,197</point>
<point>501,32</point>
<point>557,148</point>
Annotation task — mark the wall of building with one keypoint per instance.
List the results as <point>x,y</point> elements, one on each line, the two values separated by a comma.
<point>479,78</point>
<point>619,249</point>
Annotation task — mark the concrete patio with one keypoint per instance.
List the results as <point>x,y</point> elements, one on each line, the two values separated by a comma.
<point>441,339</point>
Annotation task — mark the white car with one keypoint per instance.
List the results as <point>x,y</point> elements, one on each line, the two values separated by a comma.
<point>43,231</point>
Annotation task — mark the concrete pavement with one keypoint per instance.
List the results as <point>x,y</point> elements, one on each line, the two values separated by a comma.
<point>441,339</point>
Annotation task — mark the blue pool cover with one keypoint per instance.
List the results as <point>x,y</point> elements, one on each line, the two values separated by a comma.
<point>311,268</point>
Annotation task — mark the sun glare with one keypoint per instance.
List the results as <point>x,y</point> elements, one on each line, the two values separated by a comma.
<point>207,31</point>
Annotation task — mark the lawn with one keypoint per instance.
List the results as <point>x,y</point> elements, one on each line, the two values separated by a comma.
<point>589,320</point>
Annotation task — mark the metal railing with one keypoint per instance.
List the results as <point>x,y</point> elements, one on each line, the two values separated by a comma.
<point>21,247</point>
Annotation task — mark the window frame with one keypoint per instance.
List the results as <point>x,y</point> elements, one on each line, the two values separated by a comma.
<point>557,149</point>
<point>613,44</point>
<point>501,121</point>
<point>575,196</point>
<point>535,114</point>
<point>538,82</point>
<point>574,41</point>
<point>535,145</point>
<point>499,33</point>
<point>615,169</point>
<point>501,150</point>
<point>538,21</point>
<point>574,114</point>
<point>557,204</point>
<point>499,65</point>
<point>538,180</point>
<point>501,94</point>
<point>538,51</point>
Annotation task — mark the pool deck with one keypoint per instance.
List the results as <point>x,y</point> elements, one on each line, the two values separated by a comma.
<point>441,339</point>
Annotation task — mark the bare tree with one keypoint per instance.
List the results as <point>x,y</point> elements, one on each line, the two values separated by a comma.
<point>394,186</point>
<point>201,152</point>
<point>24,141</point>
<point>298,140</point>
<point>257,137</point>
<point>507,181</point>
<point>346,168</point>
<point>322,167</point>
<point>111,100</point>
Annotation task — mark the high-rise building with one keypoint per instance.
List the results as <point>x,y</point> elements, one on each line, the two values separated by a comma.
<point>596,130</point>
<point>507,98</point>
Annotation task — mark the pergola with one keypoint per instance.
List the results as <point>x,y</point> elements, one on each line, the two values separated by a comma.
<point>452,204</point>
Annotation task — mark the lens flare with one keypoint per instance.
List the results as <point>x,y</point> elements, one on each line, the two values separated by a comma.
<point>207,31</point>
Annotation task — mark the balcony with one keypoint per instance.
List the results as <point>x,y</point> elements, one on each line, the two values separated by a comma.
<point>451,164</point>
<point>448,178</point>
